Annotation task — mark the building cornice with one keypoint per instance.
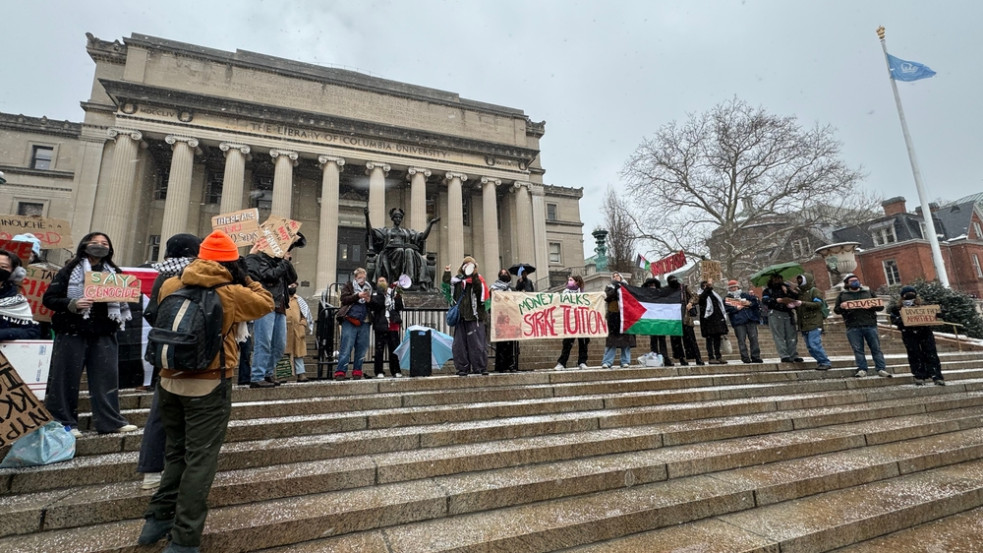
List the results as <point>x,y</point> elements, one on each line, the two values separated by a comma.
<point>39,125</point>
<point>103,50</point>
<point>46,173</point>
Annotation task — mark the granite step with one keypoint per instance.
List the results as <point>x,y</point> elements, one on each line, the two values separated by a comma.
<point>961,533</point>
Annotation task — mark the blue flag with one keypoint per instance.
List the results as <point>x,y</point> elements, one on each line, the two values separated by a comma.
<point>902,70</point>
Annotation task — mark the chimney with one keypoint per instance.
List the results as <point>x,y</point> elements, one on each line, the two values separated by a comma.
<point>932,207</point>
<point>894,206</point>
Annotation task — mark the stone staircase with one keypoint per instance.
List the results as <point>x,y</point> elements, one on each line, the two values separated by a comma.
<point>721,458</point>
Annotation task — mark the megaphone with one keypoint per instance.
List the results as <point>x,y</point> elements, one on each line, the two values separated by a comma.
<point>404,281</point>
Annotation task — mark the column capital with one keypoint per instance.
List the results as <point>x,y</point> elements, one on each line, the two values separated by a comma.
<point>518,185</point>
<point>492,181</point>
<point>292,156</point>
<point>323,161</point>
<point>450,175</point>
<point>226,146</point>
<point>417,170</point>
<point>114,132</point>
<point>536,189</point>
<point>372,165</point>
<point>173,139</point>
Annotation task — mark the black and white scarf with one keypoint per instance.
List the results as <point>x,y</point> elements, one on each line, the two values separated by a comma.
<point>172,266</point>
<point>16,310</point>
<point>119,312</point>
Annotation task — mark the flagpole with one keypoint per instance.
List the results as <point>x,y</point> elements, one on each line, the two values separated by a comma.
<point>933,239</point>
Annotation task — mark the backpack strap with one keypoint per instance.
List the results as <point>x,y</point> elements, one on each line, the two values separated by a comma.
<point>221,347</point>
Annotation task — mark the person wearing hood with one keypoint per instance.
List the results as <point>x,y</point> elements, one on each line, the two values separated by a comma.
<point>35,245</point>
<point>195,404</point>
<point>575,285</point>
<point>810,316</point>
<point>615,340</point>
<point>270,331</point>
<point>919,341</point>
<point>861,326</point>
<point>16,319</point>
<point>685,346</point>
<point>386,305</point>
<point>468,289</point>
<point>657,342</point>
<point>781,300</point>
<point>744,311</point>
<point>85,339</point>
<point>506,352</point>
<point>713,323</point>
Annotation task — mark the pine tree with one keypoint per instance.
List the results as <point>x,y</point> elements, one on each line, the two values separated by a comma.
<point>957,307</point>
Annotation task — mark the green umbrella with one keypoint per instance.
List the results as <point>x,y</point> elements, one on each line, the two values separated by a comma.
<point>784,270</point>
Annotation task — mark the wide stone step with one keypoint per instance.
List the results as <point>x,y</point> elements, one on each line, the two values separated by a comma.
<point>962,533</point>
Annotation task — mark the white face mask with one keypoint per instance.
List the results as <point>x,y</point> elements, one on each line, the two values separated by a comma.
<point>735,293</point>
<point>907,303</point>
<point>469,269</point>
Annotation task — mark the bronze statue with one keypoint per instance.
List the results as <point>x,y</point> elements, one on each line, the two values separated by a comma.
<point>400,251</point>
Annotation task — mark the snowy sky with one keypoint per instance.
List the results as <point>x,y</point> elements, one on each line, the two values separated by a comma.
<point>603,75</point>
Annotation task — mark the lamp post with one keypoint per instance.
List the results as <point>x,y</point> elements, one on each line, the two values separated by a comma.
<point>601,249</point>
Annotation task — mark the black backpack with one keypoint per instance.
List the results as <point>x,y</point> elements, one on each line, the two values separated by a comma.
<point>187,333</point>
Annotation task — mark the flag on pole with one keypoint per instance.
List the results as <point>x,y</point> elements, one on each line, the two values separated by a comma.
<point>903,70</point>
<point>643,263</point>
<point>651,310</point>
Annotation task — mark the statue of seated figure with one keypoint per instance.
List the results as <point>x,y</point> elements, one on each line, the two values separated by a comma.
<point>400,251</point>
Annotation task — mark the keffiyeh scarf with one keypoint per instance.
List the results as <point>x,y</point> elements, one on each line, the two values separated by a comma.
<point>16,310</point>
<point>172,266</point>
<point>119,312</point>
<point>710,303</point>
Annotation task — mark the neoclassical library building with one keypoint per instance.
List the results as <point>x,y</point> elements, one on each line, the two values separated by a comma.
<point>174,134</point>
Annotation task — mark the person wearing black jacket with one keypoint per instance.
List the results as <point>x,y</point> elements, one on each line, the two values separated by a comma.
<point>270,331</point>
<point>657,343</point>
<point>781,300</point>
<point>919,341</point>
<point>713,323</point>
<point>385,304</point>
<point>16,320</point>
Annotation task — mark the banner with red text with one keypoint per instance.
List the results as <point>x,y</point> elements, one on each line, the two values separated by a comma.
<point>533,316</point>
<point>53,233</point>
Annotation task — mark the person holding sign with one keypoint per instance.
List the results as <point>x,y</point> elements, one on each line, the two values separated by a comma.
<point>16,320</point>
<point>85,338</point>
<point>744,311</point>
<point>919,341</point>
<point>469,290</point>
<point>861,325</point>
<point>276,274</point>
<point>575,285</point>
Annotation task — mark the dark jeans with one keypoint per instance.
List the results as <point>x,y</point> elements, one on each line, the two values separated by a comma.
<point>748,332</point>
<point>71,353</point>
<point>507,356</point>
<point>154,439</point>
<point>195,428</point>
<point>582,344</point>
<point>386,340</point>
<point>923,356</point>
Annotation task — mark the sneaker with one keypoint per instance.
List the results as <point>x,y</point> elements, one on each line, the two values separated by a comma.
<point>824,367</point>
<point>605,366</point>
<point>860,374</point>
<point>271,381</point>
<point>302,377</point>
<point>582,366</point>
<point>154,530</point>
<point>380,375</point>
<point>939,382</point>
<point>884,373</point>
<point>261,384</point>
<point>919,382</point>
<point>683,363</point>
<point>127,428</point>
<point>797,359</point>
<point>748,361</point>
<point>462,373</point>
<point>338,375</point>
<point>398,375</point>
<point>75,432</point>
<point>757,360</point>
<point>356,375</point>
<point>785,360</point>
<point>559,367</point>
<point>151,481</point>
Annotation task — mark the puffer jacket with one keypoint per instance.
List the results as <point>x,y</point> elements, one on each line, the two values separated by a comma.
<point>810,313</point>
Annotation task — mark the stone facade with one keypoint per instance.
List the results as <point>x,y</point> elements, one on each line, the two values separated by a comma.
<point>176,133</point>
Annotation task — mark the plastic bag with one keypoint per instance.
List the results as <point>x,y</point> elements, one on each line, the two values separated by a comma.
<point>52,443</point>
<point>651,359</point>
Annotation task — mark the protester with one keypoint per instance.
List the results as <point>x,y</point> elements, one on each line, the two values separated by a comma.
<point>299,323</point>
<point>386,305</point>
<point>270,331</point>
<point>179,251</point>
<point>713,323</point>
<point>195,404</point>
<point>919,341</point>
<point>615,339</point>
<point>16,320</point>
<point>506,351</point>
<point>685,347</point>
<point>744,311</point>
<point>354,318</point>
<point>85,338</point>
<point>810,316</point>
<point>35,245</point>
<point>782,301</point>
<point>657,343</point>
<point>861,325</point>
<point>575,285</point>
<point>468,289</point>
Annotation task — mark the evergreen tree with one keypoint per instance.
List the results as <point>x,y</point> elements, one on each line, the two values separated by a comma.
<point>957,307</point>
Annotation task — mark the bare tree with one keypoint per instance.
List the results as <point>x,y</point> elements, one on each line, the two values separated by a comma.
<point>740,180</point>
<point>621,233</point>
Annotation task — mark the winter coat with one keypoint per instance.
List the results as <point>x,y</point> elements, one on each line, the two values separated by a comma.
<point>895,313</point>
<point>810,313</point>
<point>716,323</point>
<point>470,290</point>
<point>855,318</point>
<point>749,314</point>
<point>377,306</point>
<point>14,328</point>
<point>349,301</point>
<point>275,274</point>
<point>297,327</point>
<point>64,321</point>
<point>770,296</point>
<point>239,304</point>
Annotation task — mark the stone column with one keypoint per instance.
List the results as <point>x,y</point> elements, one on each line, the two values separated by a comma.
<point>523,224</point>
<point>540,244</point>
<point>377,192</point>
<point>113,207</point>
<point>489,219</point>
<point>235,171</point>
<point>418,197</point>
<point>178,187</point>
<point>327,240</point>
<point>283,181</point>
<point>455,218</point>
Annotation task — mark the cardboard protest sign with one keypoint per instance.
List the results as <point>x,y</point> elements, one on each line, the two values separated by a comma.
<point>35,284</point>
<point>736,302</point>
<point>284,368</point>
<point>21,412</point>
<point>103,287</point>
<point>528,316</point>
<point>710,271</point>
<point>242,226</point>
<point>22,250</point>
<point>31,359</point>
<point>276,234</point>
<point>53,233</point>
<point>862,304</point>
<point>923,315</point>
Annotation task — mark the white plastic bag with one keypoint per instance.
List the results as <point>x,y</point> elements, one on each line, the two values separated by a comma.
<point>651,359</point>
<point>52,443</point>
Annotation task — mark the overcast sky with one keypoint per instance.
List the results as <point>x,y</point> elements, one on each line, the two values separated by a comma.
<point>603,75</point>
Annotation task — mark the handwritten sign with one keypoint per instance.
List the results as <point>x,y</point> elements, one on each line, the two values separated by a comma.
<point>23,250</point>
<point>276,234</point>
<point>736,302</point>
<point>923,315</point>
<point>242,226</point>
<point>53,233</point>
<point>710,271</point>
<point>530,316</point>
<point>20,410</point>
<point>35,285</point>
<point>111,287</point>
<point>869,303</point>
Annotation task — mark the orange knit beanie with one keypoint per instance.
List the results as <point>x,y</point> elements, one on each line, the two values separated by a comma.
<point>217,246</point>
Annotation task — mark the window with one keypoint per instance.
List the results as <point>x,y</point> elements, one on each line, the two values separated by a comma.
<point>466,210</point>
<point>551,212</point>
<point>800,248</point>
<point>977,230</point>
<point>891,272</point>
<point>976,265</point>
<point>41,157</point>
<point>153,247</point>
<point>342,252</point>
<point>213,189</point>
<point>884,236</point>
<point>160,185</point>
<point>555,253</point>
<point>356,253</point>
<point>30,209</point>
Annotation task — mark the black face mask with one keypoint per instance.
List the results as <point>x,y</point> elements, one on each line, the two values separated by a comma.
<point>96,250</point>
<point>4,275</point>
<point>505,277</point>
<point>292,291</point>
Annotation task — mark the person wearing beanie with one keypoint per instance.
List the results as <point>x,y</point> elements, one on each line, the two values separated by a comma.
<point>657,342</point>
<point>470,292</point>
<point>919,341</point>
<point>270,332</point>
<point>744,311</point>
<point>861,326</point>
<point>195,405</point>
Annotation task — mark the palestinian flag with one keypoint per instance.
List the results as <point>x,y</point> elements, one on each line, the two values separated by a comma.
<point>651,311</point>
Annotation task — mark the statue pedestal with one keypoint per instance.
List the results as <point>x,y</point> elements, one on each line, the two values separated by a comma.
<point>424,300</point>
